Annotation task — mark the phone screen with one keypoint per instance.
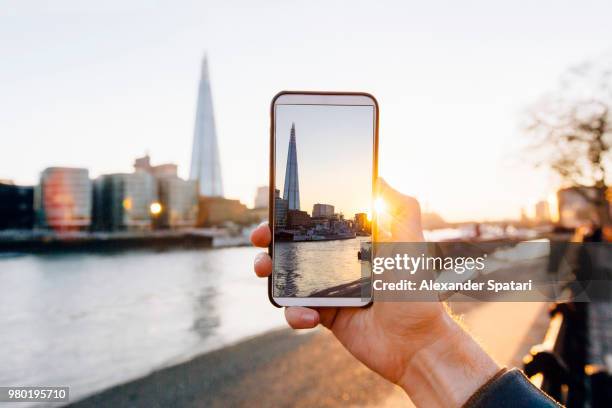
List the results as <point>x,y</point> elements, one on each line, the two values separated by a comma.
<point>324,167</point>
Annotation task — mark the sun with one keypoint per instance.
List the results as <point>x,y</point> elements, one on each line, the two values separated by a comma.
<point>380,206</point>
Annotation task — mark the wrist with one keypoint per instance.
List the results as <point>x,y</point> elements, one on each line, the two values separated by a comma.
<point>447,370</point>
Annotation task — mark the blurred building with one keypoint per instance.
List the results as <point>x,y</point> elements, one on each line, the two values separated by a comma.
<point>143,165</point>
<point>542,212</point>
<point>361,223</point>
<point>257,215</point>
<point>16,206</point>
<point>322,210</point>
<point>216,211</point>
<point>578,206</point>
<point>524,219</point>
<point>124,201</point>
<point>281,207</point>
<point>63,199</point>
<point>260,211</point>
<point>297,219</point>
<point>319,222</point>
<point>177,199</point>
<point>261,197</point>
<point>338,223</point>
<point>205,163</point>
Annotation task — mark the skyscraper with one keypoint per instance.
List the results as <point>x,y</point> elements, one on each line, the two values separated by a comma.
<point>205,164</point>
<point>291,192</point>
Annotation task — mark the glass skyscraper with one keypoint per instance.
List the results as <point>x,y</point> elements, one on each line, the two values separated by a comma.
<point>205,163</point>
<point>291,192</point>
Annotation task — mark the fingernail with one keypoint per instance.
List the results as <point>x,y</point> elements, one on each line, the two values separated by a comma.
<point>309,318</point>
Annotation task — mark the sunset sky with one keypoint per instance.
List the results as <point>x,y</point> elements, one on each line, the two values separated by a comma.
<point>97,84</point>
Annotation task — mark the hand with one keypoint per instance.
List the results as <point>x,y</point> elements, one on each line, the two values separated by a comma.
<point>402,341</point>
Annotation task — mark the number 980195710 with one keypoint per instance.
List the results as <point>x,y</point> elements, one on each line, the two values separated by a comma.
<point>34,394</point>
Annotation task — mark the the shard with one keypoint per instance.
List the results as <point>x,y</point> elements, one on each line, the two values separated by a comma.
<point>205,164</point>
<point>291,192</point>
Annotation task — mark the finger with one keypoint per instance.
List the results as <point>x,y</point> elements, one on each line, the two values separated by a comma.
<point>327,316</point>
<point>261,236</point>
<point>301,317</point>
<point>262,265</point>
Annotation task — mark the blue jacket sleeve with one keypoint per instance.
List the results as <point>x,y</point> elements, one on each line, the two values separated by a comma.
<point>510,389</point>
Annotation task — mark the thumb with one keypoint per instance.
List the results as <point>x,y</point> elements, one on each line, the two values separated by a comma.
<point>398,216</point>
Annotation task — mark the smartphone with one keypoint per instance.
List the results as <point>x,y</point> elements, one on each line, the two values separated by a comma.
<point>323,165</point>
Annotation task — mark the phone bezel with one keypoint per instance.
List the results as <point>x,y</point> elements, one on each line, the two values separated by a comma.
<point>316,98</point>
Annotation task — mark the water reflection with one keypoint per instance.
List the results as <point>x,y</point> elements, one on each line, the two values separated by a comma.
<point>207,318</point>
<point>302,268</point>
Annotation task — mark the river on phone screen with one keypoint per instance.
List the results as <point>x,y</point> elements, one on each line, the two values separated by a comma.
<point>302,268</point>
<point>90,321</point>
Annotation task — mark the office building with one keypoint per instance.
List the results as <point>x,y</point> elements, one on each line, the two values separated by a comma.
<point>297,219</point>
<point>216,211</point>
<point>178,200</point>
<point>63,199</point>
<point>205,163</point>
<point>16,206</point>
<point>281,207</point>
<point>322,211</point>
<point>124,201</point>
<point>361,223</point>
<point>320,222</point>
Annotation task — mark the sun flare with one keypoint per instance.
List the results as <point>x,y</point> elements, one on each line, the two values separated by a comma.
<point>380,206</point>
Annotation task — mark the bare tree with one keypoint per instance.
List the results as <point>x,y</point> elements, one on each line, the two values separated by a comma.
<point>572,130</point>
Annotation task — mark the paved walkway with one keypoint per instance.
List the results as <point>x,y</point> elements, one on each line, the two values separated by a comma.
<point>285,369</point>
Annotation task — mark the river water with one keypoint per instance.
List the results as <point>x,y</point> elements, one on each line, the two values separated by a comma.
<point>90,321</point>
<point>302,268</point>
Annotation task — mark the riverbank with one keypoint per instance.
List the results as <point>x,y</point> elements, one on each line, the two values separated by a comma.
<point>84,241</point>
<point>284,368</point>
<point>45,241</point>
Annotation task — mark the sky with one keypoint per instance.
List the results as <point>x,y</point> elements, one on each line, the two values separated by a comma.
<point>98,84</point>
<point>334,146</point>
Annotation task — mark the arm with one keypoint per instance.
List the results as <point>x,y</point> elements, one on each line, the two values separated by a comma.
<point>416,345</point>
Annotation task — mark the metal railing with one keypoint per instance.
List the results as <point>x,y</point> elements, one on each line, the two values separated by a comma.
<point>545,365</point>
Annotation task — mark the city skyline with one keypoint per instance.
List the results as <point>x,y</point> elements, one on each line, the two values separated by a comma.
<point>334,150</point>
<point>121,92</point>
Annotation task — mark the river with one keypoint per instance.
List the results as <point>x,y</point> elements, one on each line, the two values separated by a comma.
<point>306,267</point>
<point>91,321</point>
